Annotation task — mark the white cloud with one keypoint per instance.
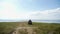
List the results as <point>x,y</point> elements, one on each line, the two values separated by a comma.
<point>52,14</point>
<point>8,10</point>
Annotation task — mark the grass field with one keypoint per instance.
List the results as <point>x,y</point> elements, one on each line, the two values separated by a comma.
<point>7,27</point>
<point>43,28</point>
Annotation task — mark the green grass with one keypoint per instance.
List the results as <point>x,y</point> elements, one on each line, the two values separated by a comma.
<point>43,28</point>
<point>7,27</point>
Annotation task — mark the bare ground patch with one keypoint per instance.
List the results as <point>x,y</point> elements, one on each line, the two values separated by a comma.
<point>25,30</point>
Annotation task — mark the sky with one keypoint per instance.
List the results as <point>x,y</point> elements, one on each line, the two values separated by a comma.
<point>30,9</point>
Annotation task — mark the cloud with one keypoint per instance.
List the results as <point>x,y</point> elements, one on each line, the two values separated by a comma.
<point>53,14</point>
<point>8,10</point>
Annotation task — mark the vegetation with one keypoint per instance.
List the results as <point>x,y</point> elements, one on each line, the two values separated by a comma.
<point>43,28</point>
<point>46,28</point>
<point>7,27</point>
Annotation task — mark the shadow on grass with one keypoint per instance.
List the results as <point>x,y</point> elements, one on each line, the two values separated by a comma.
<point>57,31</point>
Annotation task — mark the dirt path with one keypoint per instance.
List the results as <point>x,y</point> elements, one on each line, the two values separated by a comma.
<point>24,29</point>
